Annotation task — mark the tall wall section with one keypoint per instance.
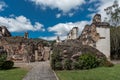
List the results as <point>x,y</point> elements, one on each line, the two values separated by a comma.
<point>103,44</point>
<point>97,35</point>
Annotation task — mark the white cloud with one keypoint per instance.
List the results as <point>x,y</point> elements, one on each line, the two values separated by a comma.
<point>62,5</point>
<point>53,37</point>
<point>91,9</point>
<point>58,15</point>
<point>62,29</point>
<point>20,23</point>
<point>101,6</point>
<point>71,14</point>
<point>2,5</point>
<point>104,4</point>
<point>91,1</point>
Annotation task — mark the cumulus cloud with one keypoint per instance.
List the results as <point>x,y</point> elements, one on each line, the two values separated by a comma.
<point>2,5</point>
<point>104,4</point>
<point>20,23</point>
<point>62,5</point>
<point>53,37</point>
<point>91,9</point>
<point>91,1</point>
<point>71,14</point>
<point>101,6</point>
<point>58,15</point>
<point>62,29</point>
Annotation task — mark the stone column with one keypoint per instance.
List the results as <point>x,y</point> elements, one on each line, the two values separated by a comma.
<point>36,55</point>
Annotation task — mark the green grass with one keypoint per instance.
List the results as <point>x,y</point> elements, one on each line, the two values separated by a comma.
<point>101,73</point>
<point>13,74</point>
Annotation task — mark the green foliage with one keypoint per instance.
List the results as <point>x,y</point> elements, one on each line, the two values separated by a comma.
<point>88,61</point>
<point>115,42</point>
<point>2,58</point>
<point>76,65</point>
<point>7,65</point>
<point>13,74</point>
<point>58,66</point>
<point>101,73</point>
<point>68,64</point>
<point>113,12</point>
<point>55,58</point>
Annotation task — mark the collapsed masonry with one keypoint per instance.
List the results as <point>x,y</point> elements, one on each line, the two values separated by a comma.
<point>96,35</point>
<point>21,49</point>
<point>73,34</point>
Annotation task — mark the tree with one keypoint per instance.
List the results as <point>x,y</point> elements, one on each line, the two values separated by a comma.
<point>113,13</point>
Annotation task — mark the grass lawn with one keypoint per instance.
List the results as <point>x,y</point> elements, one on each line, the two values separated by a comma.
<point>13,74</point>
<point>101,73</point>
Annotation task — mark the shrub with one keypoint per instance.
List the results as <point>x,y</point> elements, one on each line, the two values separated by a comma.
<point>2,58</point>
<point>7,65</point>
<point>68,64</point>
<point>76,65</point>
<point>88,61</point>
<point>52,62</point>
<point>58,66</point>
<point>55,59</point>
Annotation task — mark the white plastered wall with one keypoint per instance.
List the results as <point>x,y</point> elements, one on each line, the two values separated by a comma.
<point>103,44</point>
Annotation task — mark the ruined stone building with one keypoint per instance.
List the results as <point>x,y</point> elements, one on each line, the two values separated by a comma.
<point>73,34</point>
<point>58,39</point>
<point>4,32</point>
<point>97,35</point>
<point>21,48</point>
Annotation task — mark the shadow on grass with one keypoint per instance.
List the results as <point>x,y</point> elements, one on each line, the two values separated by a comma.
<point>10,69</point>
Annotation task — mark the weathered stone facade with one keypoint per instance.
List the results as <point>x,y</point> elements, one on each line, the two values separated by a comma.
<point>21,48</point>
<point>58,39</point>
<point>97,35</point>
<point>4,32</point>
<point>73,34</point>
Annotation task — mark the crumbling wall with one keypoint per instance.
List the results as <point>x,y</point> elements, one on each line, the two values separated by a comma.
<point>97,35</point>
<point>73,34</point>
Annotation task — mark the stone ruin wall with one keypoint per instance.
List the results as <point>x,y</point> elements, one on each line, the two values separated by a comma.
<point>21,49</point>
<point>97,35</point>
<point>73,34</point>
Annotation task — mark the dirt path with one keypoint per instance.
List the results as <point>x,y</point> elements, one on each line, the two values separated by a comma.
<point>40,71</point>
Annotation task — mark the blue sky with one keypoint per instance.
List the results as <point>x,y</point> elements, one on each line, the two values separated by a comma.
<point>49,18</point>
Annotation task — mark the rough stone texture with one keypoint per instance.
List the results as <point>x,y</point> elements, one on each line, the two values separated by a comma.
<point>40,71</point>
<point>72,49</point>
<point>73,34</point>
<point>4,32</point>
<point>21,49</point>
<point>97,35</point>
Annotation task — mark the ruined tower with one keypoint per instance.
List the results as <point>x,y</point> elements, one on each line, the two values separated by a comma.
<point>73,34</point>
<point>103,43</point>
<point>58,39</point>
<point>97,35</point>
<point>4,32</point>
<point>26,35</point>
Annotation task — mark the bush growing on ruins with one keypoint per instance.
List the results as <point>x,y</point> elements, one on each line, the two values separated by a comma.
<point>2,58</point>
<point>7,65</point>
<point>76,65</point>
<point>58,66</point>
<point>88,61</point>
<point>55,57</point>
<point>68,64</point>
